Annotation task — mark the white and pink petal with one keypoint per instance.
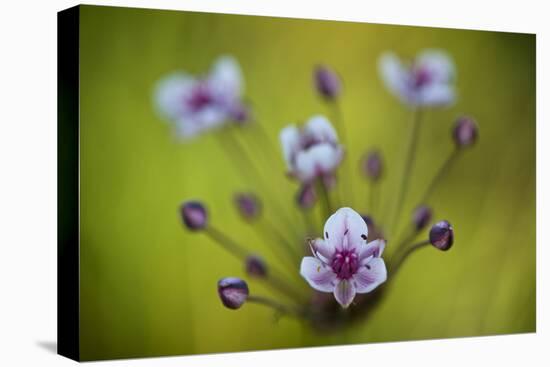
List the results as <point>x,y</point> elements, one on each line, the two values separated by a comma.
<point>346,222</point>
<point>372,249</point>
<point>370,275</point>
<point>317,274</point>
<point>318,128</point>
<point>322,248</point>
<point>344,292</point>
<point>290,144</point>
<point>226,78</point>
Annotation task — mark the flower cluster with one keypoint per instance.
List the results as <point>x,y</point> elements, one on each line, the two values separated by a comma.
<point>346,267</point>
<point>198,104</point>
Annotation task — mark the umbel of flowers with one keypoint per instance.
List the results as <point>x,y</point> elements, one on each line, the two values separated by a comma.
<point>347,258</point>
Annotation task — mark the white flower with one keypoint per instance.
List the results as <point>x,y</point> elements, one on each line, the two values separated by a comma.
<point>428,81</point>
<point>344,263</point>
<point>197,104</point>
<point>312,151</point>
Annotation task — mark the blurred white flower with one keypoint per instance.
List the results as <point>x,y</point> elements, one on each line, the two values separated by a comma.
<point>197,104</point>
<point>312,151</point>
<point>428,81</point>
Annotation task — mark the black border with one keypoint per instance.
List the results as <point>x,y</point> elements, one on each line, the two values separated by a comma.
<point>68,268</point>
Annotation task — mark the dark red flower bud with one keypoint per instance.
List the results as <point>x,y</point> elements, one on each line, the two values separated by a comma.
<point>465,132</point>
<point>248,205</point>
<point>421,217</point>
<point>306,197</point>
<point>233,292</point>
<point>194,215</point>
<point>442,235</point>
<point>256,266</point>
<point>327,82</point>
<point>372,165</point>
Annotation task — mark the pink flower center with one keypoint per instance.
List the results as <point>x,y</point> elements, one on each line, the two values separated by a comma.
<point>421,77</point>
<point>200,97</point>
<point>345,263</point>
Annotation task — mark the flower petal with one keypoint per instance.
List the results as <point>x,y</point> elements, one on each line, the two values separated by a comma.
<point>344,292</point>
<point>436,94</point>
<point>226,77</point>
<point>170,94</point>
<point>438,64</point>
<point>320,159</point>
<point>372,249</point>
<point>394,75</point>
<point>290,143</point>
<point>370,275</point>
<point>346,222</point>
<point>319,129</point>
<point>323,248</point>
<point>319,276</point>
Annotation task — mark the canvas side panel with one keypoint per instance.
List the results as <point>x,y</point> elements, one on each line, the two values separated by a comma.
<point>68,183</point>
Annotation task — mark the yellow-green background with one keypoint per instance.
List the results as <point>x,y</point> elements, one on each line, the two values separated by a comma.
<point>148,287</point>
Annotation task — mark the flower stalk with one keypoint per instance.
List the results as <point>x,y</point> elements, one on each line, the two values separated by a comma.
<point>410,154</point>
<point>279,308</point>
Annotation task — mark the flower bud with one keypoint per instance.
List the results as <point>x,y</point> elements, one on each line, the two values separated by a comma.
<point>368,221</point>
<point>327,82</point>
<point>372,165</point>
<point>241,114</point>
<point>465,132</point>
<point>255,266</point>
<point>194,215</point>
<point>233,292</point>
<point>306,197</point>
<point>374,230</point>
<point>421,217</point>
<point>442,235</point>
<point>248,205</point>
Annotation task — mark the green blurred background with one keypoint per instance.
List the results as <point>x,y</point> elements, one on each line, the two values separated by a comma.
<point>148,287</point>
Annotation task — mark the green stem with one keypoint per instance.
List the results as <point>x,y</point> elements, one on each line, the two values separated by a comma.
<point>399,257</point>
<point>233,147</point>
<point>339,120</point>
<point>277,306</point>
<point>241,254</point>
<point>409,162</point>
<point>325,199</point>
<point>443,169</point>
<point>227,243</point>
<point>372,198</point>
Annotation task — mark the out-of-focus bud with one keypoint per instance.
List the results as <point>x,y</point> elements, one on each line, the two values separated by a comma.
<point>421,217</point>
<point>233,292</point>
<point>465,132</point>
<point>241,114</point>
<point>194,215</point>
<point>255,266</point>
<point>442,235</point>
<point>248,205</point>
<point>372,165</point>
<point>374,230</point>
<point>368,220</point>
<point>327,82</point>
<point>306,197</point>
